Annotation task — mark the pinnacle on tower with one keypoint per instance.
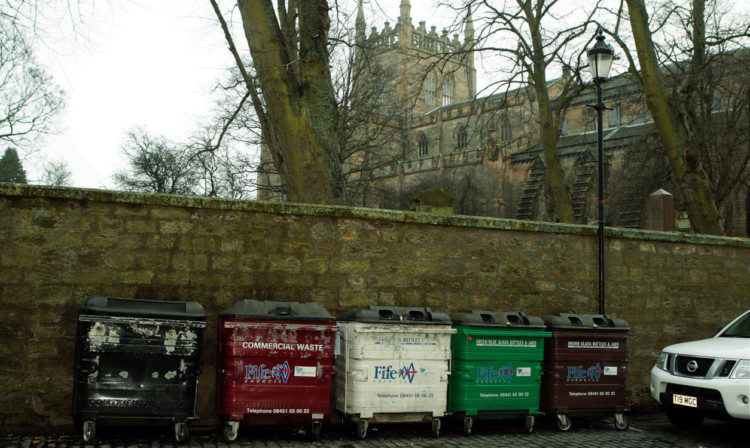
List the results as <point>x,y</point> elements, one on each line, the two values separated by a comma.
<point>469,29</point>
<point>360,26</point>
<point>405,12</point>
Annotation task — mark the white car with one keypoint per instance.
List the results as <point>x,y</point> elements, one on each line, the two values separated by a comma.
<point>707,378</point>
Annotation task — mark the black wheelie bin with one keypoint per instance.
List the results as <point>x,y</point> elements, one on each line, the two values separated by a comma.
<point>137,360</point>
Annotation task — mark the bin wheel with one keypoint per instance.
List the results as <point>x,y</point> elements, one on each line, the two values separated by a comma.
<point>181,433</point>
<point>316,426</point>
<point>528,424</point>
<point>622,422</point>
<point>89,430</point>
<point>436,427</point>
<point>229,432</point>
<point>468,424</point>
<point>362,429</point>
<point>563,422</point>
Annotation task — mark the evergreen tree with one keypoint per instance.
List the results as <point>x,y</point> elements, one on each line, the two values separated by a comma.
<point>11,169</point>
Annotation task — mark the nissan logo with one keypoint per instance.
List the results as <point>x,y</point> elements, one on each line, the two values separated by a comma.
<point>692,366</point>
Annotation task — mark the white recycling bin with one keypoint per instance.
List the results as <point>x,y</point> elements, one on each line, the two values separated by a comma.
<point>393,367</point>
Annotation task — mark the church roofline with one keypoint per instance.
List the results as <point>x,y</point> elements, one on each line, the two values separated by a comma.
<point>574,144</point>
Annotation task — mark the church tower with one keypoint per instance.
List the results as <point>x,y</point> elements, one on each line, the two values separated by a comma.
<point>430,69</point>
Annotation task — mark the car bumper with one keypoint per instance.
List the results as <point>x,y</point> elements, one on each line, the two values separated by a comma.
<point>718,397</point>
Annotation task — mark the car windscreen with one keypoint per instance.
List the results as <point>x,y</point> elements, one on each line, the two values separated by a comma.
<point>739,329</point>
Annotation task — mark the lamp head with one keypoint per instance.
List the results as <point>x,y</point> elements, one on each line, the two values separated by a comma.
<point>600,58</point>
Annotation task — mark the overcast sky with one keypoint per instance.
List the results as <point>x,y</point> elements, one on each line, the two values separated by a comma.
<point>138,63</point>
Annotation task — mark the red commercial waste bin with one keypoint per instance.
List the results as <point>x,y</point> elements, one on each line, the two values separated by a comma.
<point>585,368</point>
<point>275,362</point>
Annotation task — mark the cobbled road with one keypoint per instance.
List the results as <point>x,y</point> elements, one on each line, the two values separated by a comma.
<point>646,431</point>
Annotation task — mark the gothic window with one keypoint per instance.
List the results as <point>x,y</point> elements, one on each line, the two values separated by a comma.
<point>462,139</point>
<point>447,93</point>
<point>429,91</point>
<point>423,146</point>
<point>506,130</point>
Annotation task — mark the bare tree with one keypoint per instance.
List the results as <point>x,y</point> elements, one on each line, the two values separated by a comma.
<point>685,115</point>
<point>29,99</point>
<point>56,173</point>
<point>367,123</point>
<point>156,165</point>
<point>533,40</point>
<point>291,90</point>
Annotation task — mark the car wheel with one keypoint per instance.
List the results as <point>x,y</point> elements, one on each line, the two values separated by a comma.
<point>684,418</point>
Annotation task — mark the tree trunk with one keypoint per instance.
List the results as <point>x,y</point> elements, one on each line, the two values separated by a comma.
<point>299,103</point>
<point>555,173</point>
<point>547,124</point>
<point>683,157</point>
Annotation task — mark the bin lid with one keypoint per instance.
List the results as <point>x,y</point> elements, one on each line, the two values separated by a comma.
<point>507,319</point>
<point>587,321</point>
<point>139,307</point>
<point>267,309</point>
<point>396,315</point>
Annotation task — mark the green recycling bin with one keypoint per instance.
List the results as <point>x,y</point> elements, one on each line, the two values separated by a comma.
<point>496,366</point>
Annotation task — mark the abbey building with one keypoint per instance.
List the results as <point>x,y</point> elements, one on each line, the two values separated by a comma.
<point>486,149</point>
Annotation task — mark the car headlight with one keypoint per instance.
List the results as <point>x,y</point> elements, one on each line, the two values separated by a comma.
<point>741,370</point>
<point>663,362</point>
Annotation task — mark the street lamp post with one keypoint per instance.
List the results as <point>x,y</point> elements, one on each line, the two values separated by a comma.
<point>600,60</point>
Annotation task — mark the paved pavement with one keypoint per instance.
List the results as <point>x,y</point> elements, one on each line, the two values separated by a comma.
<point>646,431</point>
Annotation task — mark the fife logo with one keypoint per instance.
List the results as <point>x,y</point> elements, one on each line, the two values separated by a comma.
<point>492,375</point>
<point>261,374</point>
<point>386,374</point>
<point>591,375</point>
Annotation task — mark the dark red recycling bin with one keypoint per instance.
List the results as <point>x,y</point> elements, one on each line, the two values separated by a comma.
<point>275,362</point>
<point>585,368</point>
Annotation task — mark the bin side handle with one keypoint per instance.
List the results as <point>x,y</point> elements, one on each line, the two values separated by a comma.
<point>446,373</point>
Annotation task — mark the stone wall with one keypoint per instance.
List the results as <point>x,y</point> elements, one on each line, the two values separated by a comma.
<point>60,246</point>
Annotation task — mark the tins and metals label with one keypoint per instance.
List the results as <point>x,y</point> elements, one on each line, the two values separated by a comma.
<point>602,345</point>
<point>506,343</point>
